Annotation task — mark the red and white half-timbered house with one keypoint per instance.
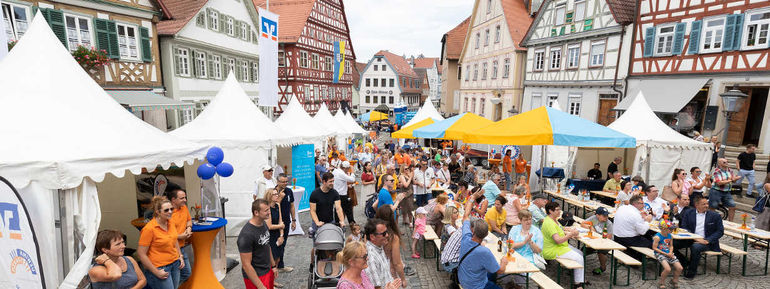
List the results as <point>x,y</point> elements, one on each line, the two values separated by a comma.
<point>307,31</point>
<point>688,52</point>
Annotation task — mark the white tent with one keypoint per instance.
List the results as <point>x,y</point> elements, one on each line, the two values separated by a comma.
<point>61,134</point>
<point>659,149</point>
<point>324,118</point>
<point>234,123</point>
<point>350,123</point>
<point>296,120</point>
<point>426,111</point>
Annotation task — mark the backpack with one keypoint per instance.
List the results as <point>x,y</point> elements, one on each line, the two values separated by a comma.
<point>369,210</point>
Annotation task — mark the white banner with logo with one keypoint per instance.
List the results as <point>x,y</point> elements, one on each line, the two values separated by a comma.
<point>268,58</point>
<point>3,38</point>
<point>19,257</point>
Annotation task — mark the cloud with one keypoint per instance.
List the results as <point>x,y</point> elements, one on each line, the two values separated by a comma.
<point>409,27</point>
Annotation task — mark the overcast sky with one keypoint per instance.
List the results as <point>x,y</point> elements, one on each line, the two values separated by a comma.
<point>406,27</point>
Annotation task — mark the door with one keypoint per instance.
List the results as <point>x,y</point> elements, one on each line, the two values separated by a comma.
<point>738,122</point>
<point>755,117</point>
<point>498,114</point>
<point>606,114</point>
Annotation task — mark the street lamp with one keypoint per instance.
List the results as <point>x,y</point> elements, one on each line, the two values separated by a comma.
<point>732,102</point>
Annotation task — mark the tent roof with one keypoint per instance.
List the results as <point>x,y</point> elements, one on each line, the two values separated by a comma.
<point>426,111</point>
<point>295,119</point>
<point>59,126</point>
<point>348,122</point>
<point>453,128</point>
<point>324,117</point>
<point>654,132</point>
<point>233,120</point>
<point>408,130</point>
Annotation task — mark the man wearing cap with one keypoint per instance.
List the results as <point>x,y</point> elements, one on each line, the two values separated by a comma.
<point>599,222</point>
<point>537,209</point>
<point>265,182</point>
<point>342,177</point>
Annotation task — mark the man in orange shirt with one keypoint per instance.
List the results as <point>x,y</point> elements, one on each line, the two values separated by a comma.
<point>521,166</point>
<point>399,156</point>
<point>182,222</point>
<point>507,169</point>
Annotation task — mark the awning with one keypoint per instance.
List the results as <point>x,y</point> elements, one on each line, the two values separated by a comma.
<point>663,95</point>
<point>141,100</point>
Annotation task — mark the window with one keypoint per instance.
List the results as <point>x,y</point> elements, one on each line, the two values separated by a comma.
<point>382,81</point>
<point>486,37</point>
<point>368,99</point>
<point>573,56</point>
<point>757,25</point>
<point>368,83</point>
<point>16,20</point>
<point>230,28</point>
<point>559,15</point>
<point>555,58</point>
<point>255,71</point>
<point>473,105</point>
<point>539,55</point>
<point>187,115</point>
<point>489,6</point>
<point>580,10</point>
<point>281,58</point>
<point>467,72</point>
<point>574,104</point>
<point>494,69</point>
<point>478,39</point>
<point>231,65</point>
<point>391,82</point>
<point>383,67</point>
<point>390,99</point>
<point>375,98</point>
<point>665,40</point>
<point>200,20</point>
<point>506,67</point>
<point>216,66</point>
<point>244,30</point>
<point>484,71</point>
<point>597,53</point>
<point>128,42</point>
<point>78,31</point>
<point>465,105</point>
<point>537,100</point>
<point>713,32</point>
<point>243,65</point>
<point>315,61</point>
<point>328,64</point>
<point>214,20</point>
<point>552,98</point>
<point>475,72</point>
<point>182,57</point>
<point>382,99</point>
<point>459,73</point>
<point>375,82</point>
<point>303,61</point>
<point>482,104</point>
<point>497,33</point>
<point>375,68</point>
<point>200,64</point>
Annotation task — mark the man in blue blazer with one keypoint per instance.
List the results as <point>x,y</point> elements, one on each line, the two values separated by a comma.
<point>703,222</point>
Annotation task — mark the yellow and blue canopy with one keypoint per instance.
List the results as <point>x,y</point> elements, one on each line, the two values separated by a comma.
<point>453,128</point>
<point>549,126</point>
<point>373,116</point>
<point>407,131</point>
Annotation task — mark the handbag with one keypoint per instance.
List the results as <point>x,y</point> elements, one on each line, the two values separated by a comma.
<point>668,194</point>
<point>455,280</point>
<point>353,197</point>
<point>539,261</point>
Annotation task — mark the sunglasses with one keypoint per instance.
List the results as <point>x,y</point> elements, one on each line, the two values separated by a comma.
<point>168,210</point>
<point>390,180</point>
<point>381,234</point>
<point>364,257</point>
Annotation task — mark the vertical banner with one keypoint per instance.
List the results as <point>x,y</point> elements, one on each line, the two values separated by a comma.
<point>339,60</point>
<point>303,169</point>
<point>3,38</point>
<point>268,58</point>
<point>19,250</point>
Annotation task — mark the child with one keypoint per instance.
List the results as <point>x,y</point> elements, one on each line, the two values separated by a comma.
<point>419,230</point>
<point>661,244</point>
<point>355,233</point>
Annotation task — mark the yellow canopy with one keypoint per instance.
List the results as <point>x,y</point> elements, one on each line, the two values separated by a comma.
<point>453,128</point>
<point>407,131</point>
<point>376,115</point>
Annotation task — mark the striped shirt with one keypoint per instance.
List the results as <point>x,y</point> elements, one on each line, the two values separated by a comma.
<point>379,266</point>
<point>720,176</point>
<point>451,251</point>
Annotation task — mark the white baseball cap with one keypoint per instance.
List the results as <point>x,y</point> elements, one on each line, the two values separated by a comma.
<point>346,164</point>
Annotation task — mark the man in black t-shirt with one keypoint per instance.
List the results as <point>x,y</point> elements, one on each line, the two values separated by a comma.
<point>254,247</point>
<point>613,167</point>
<point>287,212</point>
<point>595,173</point>
<point>745,163</point>
<point>324,201</point>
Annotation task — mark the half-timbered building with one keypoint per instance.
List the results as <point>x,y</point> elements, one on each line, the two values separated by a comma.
<point>307,31</point>
<point>201,42</point>
<point>389,80</point>
<point>578,55</point>
<point>688,52</point>
<point>492,58</point>
<point>451,47</point>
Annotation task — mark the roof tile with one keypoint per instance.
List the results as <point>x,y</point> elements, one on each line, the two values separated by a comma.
<point>518,20</point>
<point>181,12</point>
<point>292,15</point>
<point>425,62</point>
<point>398,62</point>
<point>623,11</point>
<point>455,39</point>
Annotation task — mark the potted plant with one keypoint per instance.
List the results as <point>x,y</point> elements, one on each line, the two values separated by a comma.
<point>90,57</point>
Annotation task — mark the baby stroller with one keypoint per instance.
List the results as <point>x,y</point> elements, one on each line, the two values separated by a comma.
<point>325,269</point>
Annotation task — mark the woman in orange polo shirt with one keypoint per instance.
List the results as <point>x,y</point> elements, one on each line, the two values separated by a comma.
<point>158,247</point>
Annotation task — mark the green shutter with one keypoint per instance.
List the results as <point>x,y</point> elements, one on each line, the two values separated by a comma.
<point>649,42</point>
<point>561,31</point>
<point>237,70</point>
<point>210,63</point>
<point>237,28</point>
<point>208,14</point>
<point>695,29</point>
<point>588,24</point>
<point>222,23</point>
<point>177,62</point>
<point>102,35</point>
<point>678,38</point>
<point>112,33</point>
<point>56,21</point>
<point>144,35</point>
<point>738,31</point>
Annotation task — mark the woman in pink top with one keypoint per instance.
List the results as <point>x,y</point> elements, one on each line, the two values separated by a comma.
<point>511,209</point>
<point>679,183</point>
<point>354,257</point>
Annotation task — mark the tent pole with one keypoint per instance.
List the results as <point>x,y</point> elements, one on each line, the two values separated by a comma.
<point>647,173</point>
<point>542,169</point>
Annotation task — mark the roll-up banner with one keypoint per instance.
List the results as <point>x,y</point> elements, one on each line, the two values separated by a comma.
<point>19,250</point>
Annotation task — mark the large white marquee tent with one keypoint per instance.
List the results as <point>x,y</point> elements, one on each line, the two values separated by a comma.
<point>426,111</point>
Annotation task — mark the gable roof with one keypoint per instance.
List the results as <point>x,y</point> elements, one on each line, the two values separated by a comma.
<point>425,62</point>
<point>398,62</point>
<point>178,12</point>
<point>623,11</point>
<point>454,39</point>
<point>357,69</point>
<point>518,20</point>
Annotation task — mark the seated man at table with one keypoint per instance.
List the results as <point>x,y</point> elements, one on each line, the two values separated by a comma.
<point>491,190</point>
<point>595,173</point>
<point>630,226</point>
<point>537,209</point>
<point>703,222</point>
<point>495,218</point>
<point>677,209</point>
<point>613,185</point>
<point>479,269</point>
<point>654,203</point>
<point>599,222</point>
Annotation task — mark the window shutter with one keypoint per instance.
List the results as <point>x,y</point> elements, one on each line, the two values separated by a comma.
<point>144,35</point>
<point>727,40</point>
<point>112,29</point>
<point>210,62</point>
<point>738,31</point>
<point>56,21</point>
<point>177,61</point>
<point>192,59</point>
<point>695,29</point>
<point>222,23</point>
<point>102,35</point>
<point>649,41</point>
<point>678,38</point>
<point>208,14</point>
<point>237,70</point>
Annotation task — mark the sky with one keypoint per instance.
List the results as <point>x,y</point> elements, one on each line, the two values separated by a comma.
<point>409,27</point>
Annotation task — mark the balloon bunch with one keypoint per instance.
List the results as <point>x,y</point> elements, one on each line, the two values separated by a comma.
<point>215,156</point>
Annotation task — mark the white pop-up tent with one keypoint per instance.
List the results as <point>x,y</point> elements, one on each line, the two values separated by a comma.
<point>426,111</point>
<point>659,149</point>
<point>324,118</point>
<point>296,120</point>
<point>234,123</point>
<point>62,133</point>
<point>349,123</point>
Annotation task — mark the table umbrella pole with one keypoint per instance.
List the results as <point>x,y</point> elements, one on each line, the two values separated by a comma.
<point>542,168</point>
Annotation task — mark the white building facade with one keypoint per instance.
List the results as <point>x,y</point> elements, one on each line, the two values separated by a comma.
<point>576,51</point>
<point>388,80</point>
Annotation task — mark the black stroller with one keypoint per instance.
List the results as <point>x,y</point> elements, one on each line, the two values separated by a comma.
<point>325,269</point>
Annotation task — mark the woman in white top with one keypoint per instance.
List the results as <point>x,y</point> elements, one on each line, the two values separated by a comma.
<point>443,177</point>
